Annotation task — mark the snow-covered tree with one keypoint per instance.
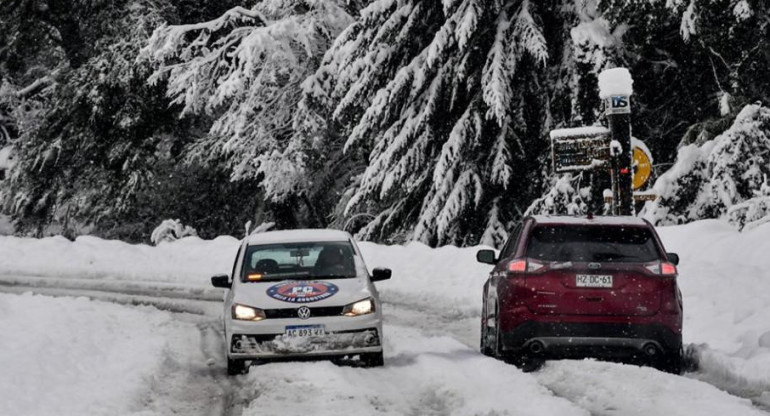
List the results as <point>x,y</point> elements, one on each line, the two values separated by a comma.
<point>84,156</point>
<point>707,180</point>
<point>245,69</point>
<point>447,103</point>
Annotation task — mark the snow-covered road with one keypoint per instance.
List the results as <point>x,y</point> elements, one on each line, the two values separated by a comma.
<point>99,343</point>
<point>140,360</point>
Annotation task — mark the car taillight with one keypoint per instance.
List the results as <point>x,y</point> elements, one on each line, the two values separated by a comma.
<point>517,266</point>
<point>525,266</point>
<point>662,268</point>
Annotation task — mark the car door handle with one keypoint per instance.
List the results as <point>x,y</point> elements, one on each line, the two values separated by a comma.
<point>593,298</point>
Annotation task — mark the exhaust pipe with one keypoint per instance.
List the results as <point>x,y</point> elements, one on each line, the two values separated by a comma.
<point>536,347</point>
<point>650,349</point>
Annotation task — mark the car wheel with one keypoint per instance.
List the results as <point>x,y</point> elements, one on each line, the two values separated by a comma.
<point>484,344</point>
<point>235,367</point>
<point>372,359</point>
<point>497,346</point>
<point>673,362</point>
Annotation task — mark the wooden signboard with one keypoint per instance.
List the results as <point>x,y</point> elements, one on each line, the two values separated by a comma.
<point>579,149</point>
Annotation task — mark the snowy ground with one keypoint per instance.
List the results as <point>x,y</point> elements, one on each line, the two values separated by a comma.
<point>100,354</point>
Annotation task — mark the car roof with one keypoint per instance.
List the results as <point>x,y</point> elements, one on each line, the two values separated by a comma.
<point>585,220</point>
<point>297,236</point>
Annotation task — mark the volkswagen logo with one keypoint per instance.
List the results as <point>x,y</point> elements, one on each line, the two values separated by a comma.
<point>303,312</point>
<point>594,266</point>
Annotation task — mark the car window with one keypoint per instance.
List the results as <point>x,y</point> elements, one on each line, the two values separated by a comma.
<point>298,261</point>
<point>510,246</point>
<point>592,244</point>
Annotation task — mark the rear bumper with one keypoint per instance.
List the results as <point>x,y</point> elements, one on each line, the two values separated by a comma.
<point>591,339</point>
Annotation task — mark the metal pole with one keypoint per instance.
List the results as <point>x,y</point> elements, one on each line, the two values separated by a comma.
<point>618,110</point>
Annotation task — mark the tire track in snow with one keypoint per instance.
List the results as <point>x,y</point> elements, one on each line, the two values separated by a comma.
<point>715,368</point>
<point>233,394</point>
<point>434,321</point>
<point>168,297</point>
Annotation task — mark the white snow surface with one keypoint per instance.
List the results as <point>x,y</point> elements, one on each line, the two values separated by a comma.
<point>586,131</point>
<point>94,358</point>
<point>68,356</point>
<point>615,81</point>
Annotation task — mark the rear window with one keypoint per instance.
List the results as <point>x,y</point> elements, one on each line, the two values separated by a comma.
<point>298,261</point>
<point>592,244</point>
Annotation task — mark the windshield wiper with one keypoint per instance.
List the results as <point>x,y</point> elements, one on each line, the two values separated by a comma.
<point>332,276</point>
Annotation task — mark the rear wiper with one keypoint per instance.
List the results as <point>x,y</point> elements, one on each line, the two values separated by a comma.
<point>609,256</point>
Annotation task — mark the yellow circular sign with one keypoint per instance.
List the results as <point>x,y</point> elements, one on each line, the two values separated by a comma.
<point>642,167</point>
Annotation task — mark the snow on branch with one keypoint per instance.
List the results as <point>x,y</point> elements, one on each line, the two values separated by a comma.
<point>246,69</point>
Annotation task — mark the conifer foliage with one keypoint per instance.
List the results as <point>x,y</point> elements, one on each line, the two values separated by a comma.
<point>708,180</point>
<point>442,98</point>
<point>245,69</point>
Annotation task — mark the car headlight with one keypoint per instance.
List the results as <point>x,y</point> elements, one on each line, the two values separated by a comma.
<point>362,307</point>
<point>247,313</point>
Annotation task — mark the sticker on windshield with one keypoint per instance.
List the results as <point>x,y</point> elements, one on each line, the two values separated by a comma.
<point>302,292</point>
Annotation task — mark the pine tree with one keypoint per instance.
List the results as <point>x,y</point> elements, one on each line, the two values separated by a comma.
<point>86,153</point>
<point>707,180</point>
<point>245,69</point>
<point>448,103</point>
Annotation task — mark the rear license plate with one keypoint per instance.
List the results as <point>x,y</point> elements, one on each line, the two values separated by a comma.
<point>305,331</point>
<point>593,280</point>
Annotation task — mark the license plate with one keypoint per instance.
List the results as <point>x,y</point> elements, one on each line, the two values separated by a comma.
<point>305,331</point>
<point>593,280</point>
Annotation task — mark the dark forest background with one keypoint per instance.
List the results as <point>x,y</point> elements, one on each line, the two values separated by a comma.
<point>396,119</point>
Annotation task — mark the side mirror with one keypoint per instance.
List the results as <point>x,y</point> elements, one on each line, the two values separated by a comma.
<point>486,256</point>
<point>673,258</point>
<point>381,274</point>
<point>221,280</point>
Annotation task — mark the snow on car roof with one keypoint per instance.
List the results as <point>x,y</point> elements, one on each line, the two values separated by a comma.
<point>598,220</point>
<point>297,236</point>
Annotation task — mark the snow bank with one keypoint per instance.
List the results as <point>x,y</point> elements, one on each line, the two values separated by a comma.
<point>56,352</point>
<point>449,276</point>
<point>190,260</point>
<point>725,281</point>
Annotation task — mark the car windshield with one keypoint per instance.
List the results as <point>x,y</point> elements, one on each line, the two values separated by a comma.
<point>592,244</point>
<point>269,262</point>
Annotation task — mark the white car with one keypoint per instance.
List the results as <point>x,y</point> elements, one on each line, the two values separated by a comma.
<point>301,293</point>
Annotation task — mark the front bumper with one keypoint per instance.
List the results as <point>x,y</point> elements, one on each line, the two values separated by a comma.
<point>280,345</point>
<point>267,340</point>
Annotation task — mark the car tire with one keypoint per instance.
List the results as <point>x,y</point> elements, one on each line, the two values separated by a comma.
<point>236,367</point>
<point>673,362</point>
<point>484,342</point>
<point>497,346</point>
<point>372,359</point>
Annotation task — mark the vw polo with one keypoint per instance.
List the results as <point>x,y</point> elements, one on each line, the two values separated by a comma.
<point>301,294</point>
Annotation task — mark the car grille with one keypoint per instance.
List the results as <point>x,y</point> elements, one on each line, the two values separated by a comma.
<point>314,312</point>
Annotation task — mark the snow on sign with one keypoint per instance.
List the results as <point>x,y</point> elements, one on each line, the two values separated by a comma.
<point>578,149</point>
<point>302,291</point>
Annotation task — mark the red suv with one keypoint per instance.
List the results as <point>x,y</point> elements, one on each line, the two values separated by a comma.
<point>599,287</point>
